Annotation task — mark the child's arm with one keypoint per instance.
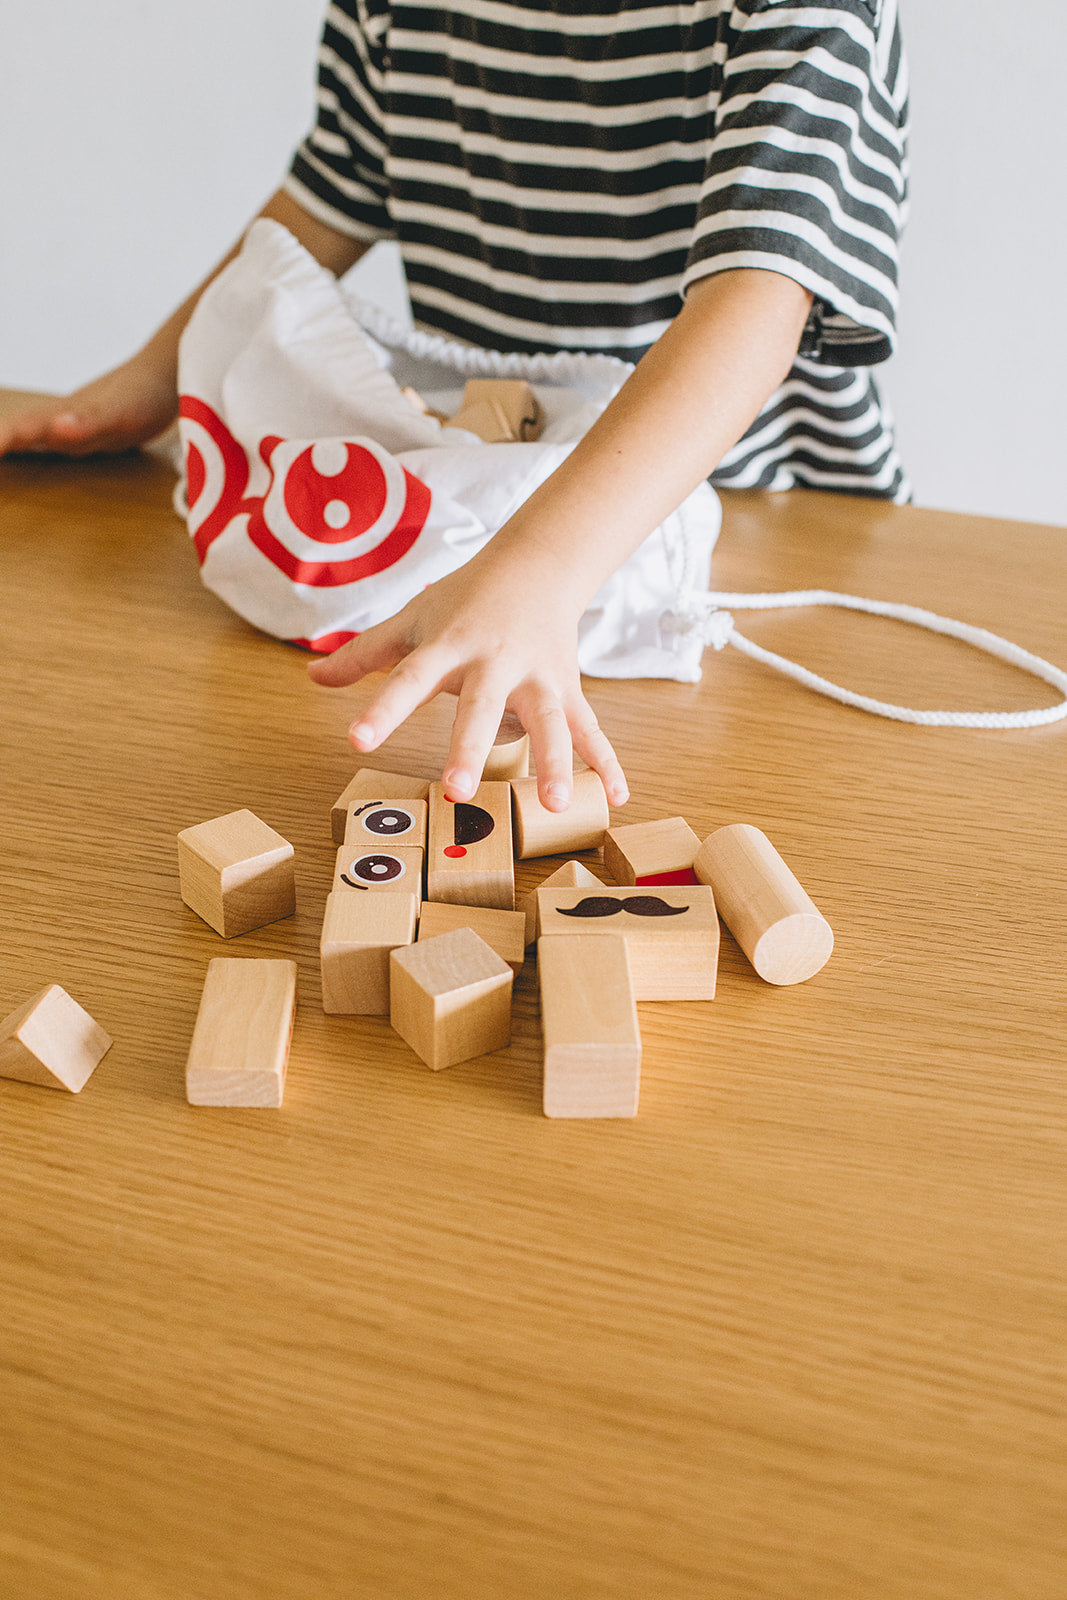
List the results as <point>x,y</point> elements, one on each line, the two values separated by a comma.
<point>502,631</point>
<point>137,400</point>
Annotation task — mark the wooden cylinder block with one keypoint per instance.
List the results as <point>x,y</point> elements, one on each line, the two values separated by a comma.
<point>539,832</point>
<point>780,929</point>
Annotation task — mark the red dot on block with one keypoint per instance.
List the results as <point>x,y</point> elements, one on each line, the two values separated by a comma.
<point>455,850</point>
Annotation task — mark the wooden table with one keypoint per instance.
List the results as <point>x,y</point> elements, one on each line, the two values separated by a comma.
<point>795,1333</point>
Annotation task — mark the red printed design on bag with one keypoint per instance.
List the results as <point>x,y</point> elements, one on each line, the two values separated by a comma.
<point>352,497</point>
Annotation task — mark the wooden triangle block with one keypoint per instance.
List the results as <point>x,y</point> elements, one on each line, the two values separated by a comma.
<point>52,1041</point>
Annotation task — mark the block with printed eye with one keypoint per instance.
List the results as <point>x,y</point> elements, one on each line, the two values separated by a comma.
<point>386,822</point>
<point>371,784</point>
<point>390,868</point>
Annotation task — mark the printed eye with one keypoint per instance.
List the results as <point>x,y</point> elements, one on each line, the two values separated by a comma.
<point>373,869</point>
<point>388,822</point>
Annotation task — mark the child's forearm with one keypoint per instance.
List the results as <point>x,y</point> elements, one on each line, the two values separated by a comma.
<point>691,398</point>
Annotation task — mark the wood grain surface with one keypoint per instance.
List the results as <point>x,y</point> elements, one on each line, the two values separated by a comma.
<point>796,1332</point>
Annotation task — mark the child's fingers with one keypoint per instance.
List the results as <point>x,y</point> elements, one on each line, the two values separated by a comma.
<point>550,745</point>
<point>478,718</point>
<point>416,679</point>
<point>377,650</point>
<point>595,749</point>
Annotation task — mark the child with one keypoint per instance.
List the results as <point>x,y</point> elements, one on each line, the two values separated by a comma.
<point>713,190</point>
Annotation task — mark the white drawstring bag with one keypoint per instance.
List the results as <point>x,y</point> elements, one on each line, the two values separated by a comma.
<point>320,500</point>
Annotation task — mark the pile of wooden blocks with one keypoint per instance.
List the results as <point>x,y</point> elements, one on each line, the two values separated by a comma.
<point>421,926</point>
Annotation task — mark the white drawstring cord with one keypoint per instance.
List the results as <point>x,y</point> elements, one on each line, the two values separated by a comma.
<point>706,614</point>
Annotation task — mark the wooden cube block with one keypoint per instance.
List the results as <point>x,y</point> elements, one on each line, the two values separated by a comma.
<point>468,857</point>
<point>671,934</point>
<point>539,832</point>
<point>500,411</point>
<point>52,1041</point>
<point>237,873</point>
<point>450,998</point>
<point>358,932</point>
<point>503,931</point>
<point>571,875</point>
<point>589,1022</point>
<point>774,920</point>
<point>381,824</point>
<point>240,1047</point>
<point>397,869</point>
<point>651,852</point>
<point>370,784</point>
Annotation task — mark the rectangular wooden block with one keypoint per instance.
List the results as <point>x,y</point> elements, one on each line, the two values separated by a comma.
<point>391,869</point>
<point>51,1041</point>
<point>240,1047</point>
<point>450,998</point>
<point>371,784</point>
<point>589,1021</point>
<point>571,875</point>
<point>671,934</point>
<point>358,933</point>
<point>651,852</point>
<point>381,824</point>
<point>468,856</point>
<point>237,873</point>
<point>503,931</point>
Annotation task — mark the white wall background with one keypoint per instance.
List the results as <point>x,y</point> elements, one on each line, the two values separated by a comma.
<point>137,137</point>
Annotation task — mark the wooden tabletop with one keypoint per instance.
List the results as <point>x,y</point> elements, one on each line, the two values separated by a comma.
<point>796,1332</point>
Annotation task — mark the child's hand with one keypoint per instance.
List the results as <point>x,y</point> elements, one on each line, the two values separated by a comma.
<point>124,408</point>
<point>500,638</point>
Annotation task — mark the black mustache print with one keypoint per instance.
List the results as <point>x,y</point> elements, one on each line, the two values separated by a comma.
<point>388,821</point>
<point>639,905</point>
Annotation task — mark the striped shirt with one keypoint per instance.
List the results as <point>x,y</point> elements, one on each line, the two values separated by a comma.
<point>557,175</point>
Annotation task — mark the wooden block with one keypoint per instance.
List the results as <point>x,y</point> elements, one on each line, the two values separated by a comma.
<point>582,826</point>
<point>500,411</point>
<point>370,784</point>
<point>240,1047</point>
<point>672,934</point>
<point>392,870</point>
<point>451,998</point>
<point>468,857</point>
<point>589,1022</point>
<point>358,932</point>
<point>381,824</point>
<point>651,852</point>
<point>509,758</point>
<point>571,875</point>
<point>777,925</point>
<point>52,1041</point>
<point>503,931</point>
<point>237,873</point>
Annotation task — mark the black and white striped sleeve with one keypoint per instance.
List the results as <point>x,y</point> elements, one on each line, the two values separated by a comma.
<point>807,170</point>
<point>337,173</point>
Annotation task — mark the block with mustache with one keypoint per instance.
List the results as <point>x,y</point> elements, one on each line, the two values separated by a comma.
<point>672,936</point>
